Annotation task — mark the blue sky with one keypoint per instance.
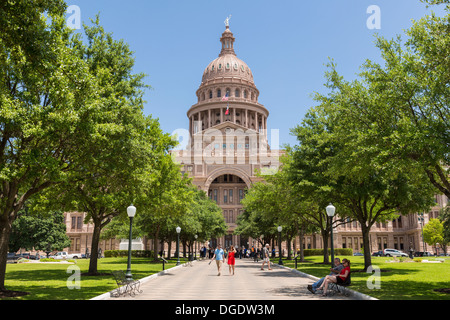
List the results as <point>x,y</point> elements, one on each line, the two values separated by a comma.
<point>285,43</point>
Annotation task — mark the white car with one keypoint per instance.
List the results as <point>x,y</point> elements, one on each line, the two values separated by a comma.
<point>394,253</point>
<point>64,255</point>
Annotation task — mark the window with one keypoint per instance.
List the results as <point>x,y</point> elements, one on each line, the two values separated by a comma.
<point>237,93</point>
<point>245,94</point>
<point>210,94</point>
<point>241,194</point>
<point>215,195</point>
<point>225,196</point>
<point>79,222</point>
<point>219,93</point>
<point>231,196</point>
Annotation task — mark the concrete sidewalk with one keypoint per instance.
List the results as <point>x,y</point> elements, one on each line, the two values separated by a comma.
<point>199,281</point>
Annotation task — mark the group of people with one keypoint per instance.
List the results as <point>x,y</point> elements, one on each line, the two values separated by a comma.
<point>219,256</point>
<point>339,274</point>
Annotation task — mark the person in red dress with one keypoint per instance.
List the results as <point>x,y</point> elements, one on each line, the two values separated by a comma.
<point>231,260</point>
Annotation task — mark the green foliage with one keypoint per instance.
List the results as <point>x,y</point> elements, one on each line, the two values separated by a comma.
<point>337,252</point>
<point>41,233</point>
<point>433,232</point>
<point>124,253</point>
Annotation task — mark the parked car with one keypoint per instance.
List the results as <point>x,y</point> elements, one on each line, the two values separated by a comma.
<point>12,256</point>
<point>358,254</point>
<point>66,255</point>
<point>377,254</point>
<point>25,255</point>
<point>394,253</point>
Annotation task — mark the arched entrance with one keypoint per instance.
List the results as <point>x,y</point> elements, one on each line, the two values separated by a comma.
<point>228,190</point>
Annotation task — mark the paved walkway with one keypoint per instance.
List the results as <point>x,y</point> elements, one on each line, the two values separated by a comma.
<point>201,282</point>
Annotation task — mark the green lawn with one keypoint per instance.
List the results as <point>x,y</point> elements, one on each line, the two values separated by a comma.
<point>398,281</point>
<point>46,281</point>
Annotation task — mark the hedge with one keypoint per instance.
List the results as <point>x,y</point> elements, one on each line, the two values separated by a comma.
<point>124,253</point>
<point>337,252</point>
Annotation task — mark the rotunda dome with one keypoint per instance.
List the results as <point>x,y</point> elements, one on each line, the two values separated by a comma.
<point>227,66</point>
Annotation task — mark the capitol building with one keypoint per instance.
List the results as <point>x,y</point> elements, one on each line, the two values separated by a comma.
<point>228,144</point>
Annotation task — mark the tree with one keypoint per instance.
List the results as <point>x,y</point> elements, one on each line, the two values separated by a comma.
<point>340,135</point>
<point>415,80</point>
<point>444,216</point>
<point>47,107</point>
<point>45,232</point>
<point>433,233</point>
<point>125,141</point>
<point>164,196</point>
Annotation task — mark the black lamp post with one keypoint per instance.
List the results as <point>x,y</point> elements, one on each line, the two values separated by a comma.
<point>178,229</point>
<point>131,211</point>
<point>195,247</point>
<point>330,213</point>
<point>421,220</point>
<point>280,262</point>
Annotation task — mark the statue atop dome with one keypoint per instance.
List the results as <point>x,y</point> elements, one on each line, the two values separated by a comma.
<point>227,21</point>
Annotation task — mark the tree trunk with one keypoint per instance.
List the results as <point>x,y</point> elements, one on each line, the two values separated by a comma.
<point>94,248</point>
<point>325,237</point>
<point>302,251</point>
<point>5,230</point>
<point>155,244</point>
<point>288,244</point>
<point>366,244</point>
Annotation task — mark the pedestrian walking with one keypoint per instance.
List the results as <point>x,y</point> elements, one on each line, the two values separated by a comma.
<point>266,257</point>
<point>218,255</point>
<point>231,259</point>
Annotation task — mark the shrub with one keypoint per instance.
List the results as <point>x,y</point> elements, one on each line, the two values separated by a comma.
<point>48,260</point>
<point>124,253</point>
<point>337,252</point>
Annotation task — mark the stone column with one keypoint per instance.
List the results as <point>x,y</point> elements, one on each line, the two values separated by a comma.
<point>246,119</point>
<point>209,118</point>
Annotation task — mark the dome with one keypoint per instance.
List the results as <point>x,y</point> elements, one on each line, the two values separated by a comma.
<point>227,67</point>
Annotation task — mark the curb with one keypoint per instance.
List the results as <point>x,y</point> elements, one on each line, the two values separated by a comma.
<point>355,294</point>
<point>107,295</point>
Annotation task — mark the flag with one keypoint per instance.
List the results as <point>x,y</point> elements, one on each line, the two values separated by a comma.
<point>225,98</point>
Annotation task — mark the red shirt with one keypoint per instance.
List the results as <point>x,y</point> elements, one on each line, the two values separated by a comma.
<point>343,272</point>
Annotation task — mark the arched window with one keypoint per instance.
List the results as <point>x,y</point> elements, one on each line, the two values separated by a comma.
<point>237,93</point>
<point>219,93</point>
<point>210,94</point>
<point>245,94</point>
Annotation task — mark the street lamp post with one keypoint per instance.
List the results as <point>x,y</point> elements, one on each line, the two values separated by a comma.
<point>195,248</point>
<point>330,213</point>
<point>280,262</point>
<point>178,229</point>
<point>131,211</point>
<point>421,220</point>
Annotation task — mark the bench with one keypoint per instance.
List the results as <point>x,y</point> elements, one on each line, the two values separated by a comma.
<point>125,286</point>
